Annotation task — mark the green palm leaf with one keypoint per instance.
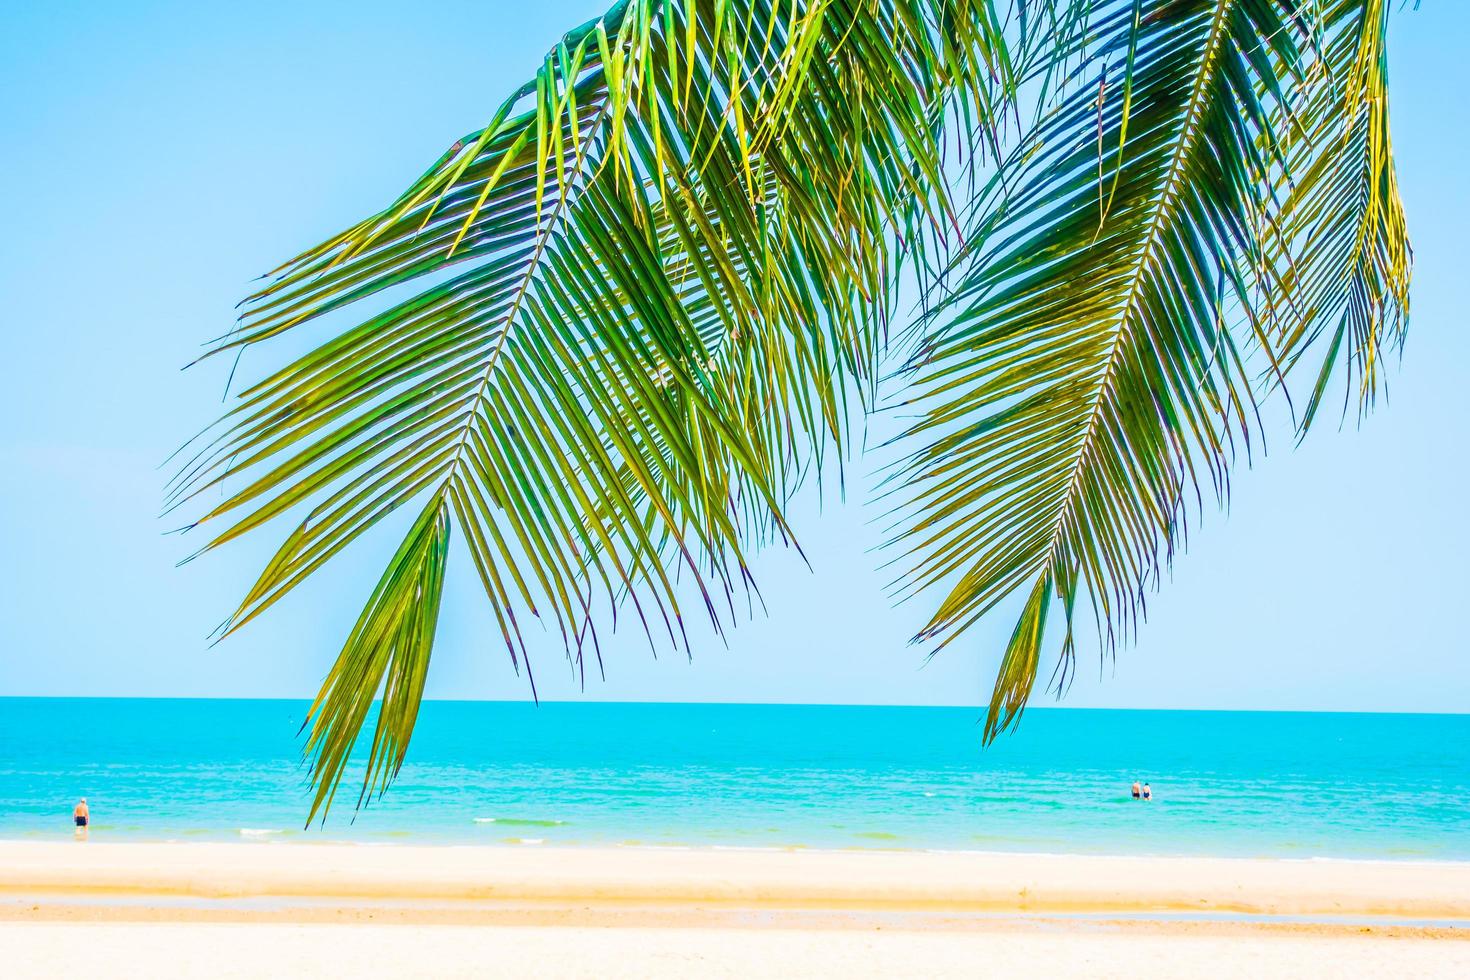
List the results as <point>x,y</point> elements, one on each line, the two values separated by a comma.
<point>1344,246</point>
<point>651,278</point>
<point>639,307</point>
<point>1115,317</point>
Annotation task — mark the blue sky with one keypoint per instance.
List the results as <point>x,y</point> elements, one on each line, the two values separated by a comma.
<point>158,156</point>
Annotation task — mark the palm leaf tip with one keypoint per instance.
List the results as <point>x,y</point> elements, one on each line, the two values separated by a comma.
<point>388,650</point>
<point>1017,674</point>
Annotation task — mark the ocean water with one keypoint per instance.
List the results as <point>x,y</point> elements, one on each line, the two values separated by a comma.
<point>1225,783</point>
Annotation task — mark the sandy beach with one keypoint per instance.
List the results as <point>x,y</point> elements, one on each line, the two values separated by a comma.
<point>260,910</point>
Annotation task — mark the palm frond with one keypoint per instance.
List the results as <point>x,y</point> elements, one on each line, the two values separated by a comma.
<point>1344,246</point>
<point>632,314</point>
<point>388,651</point>
<point>1091,370</point>
<point>652,278</point>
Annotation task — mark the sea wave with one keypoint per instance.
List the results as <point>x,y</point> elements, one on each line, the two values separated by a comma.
<point>259,832</point>
<point>519,822</point>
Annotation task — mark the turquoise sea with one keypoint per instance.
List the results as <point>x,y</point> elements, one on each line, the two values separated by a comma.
<point>1226,783</point>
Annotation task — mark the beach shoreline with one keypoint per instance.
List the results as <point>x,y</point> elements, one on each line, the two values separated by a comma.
<point>893,881</point>
<point>257,910</point>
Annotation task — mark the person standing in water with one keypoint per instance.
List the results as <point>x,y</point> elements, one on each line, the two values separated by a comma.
<point>1137,791</point>
<point>1148,794</point>
<point>81,817</point>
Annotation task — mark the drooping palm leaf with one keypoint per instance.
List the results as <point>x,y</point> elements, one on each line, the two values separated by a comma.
<point>651,278</point>
<point>1117,313</point>
<point>648,288</point>
<point>1344,245</point>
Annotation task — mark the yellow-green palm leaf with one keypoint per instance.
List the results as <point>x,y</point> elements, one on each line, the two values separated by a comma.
<point>651,279</point>
<point>641,304</point>
<point>1128,293</point>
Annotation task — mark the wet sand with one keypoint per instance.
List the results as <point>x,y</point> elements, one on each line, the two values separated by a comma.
<point>263,910</point>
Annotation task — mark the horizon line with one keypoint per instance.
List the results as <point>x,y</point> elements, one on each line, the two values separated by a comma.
<point>749,704</point>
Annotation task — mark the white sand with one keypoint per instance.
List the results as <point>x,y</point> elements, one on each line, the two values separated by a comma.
<point>260,910</point>
<point>823,879</point>
<point>52,950</point>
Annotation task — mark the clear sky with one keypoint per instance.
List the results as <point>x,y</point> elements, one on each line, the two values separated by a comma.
<point>158,156</point>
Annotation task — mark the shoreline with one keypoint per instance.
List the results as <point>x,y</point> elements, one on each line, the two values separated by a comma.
<point>258,837</point>
<point>245,910</point>
<point>856,880</point>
